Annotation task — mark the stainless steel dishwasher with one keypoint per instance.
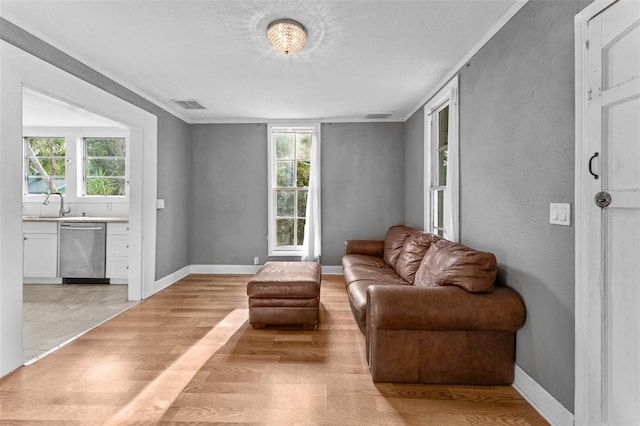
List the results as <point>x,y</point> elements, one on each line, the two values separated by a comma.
<point>82,252</point>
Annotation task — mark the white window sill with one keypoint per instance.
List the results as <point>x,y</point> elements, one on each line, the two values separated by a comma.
<point>285,253</point>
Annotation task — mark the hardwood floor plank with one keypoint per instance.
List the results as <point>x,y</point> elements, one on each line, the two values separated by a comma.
<point>188,355</point>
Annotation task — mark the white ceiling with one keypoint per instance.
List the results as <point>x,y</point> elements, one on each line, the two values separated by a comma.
<point>39,110</point>
<point>362,56</point>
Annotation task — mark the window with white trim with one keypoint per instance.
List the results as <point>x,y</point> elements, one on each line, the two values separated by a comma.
<point>289,166</point>
<point>441,194</point>
<point>104,167</point>
<point>75,164</point>
<point>439,154</point>
<point>45,165</point>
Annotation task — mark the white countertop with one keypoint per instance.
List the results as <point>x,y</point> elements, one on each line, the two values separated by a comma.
<point>77,219</point>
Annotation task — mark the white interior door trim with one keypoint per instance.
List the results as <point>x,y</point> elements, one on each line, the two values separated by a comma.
<point>583,412</point>
<point>21,69</point>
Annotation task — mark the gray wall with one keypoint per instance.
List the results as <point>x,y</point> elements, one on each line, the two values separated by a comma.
<point>414,170</point>
<point>171,248</point>
<point>517,156</point>
<point>362,183</point>
<point>362,189</point>
<point>228,211</point>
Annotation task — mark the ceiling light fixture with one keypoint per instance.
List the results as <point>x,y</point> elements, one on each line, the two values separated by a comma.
<point>286,36</point>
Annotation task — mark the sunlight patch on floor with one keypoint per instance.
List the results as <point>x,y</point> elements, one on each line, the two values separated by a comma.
<point>155,399</point>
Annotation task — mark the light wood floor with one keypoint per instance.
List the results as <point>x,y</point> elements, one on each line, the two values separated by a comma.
<point>189,355</point>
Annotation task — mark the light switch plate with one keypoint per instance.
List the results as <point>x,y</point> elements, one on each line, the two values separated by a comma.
<point>560,214</point>
<point>160,203</point>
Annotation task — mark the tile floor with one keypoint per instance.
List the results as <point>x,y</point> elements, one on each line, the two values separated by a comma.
<point>55,313</point>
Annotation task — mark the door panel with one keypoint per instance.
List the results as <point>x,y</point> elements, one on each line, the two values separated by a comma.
<point>622,298</point>
<point>613,130</point>
<point>616,64</point>
<point>622,124</point>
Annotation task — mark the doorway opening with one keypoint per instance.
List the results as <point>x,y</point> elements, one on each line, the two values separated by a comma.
<point>19,70</point>
<point>63,145</point>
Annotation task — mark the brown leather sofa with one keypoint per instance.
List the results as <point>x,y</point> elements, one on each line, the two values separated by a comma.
<point>430,310</point>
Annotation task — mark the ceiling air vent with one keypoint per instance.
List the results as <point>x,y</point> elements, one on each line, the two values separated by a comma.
<point>189,103</point>
<point>379,116</point>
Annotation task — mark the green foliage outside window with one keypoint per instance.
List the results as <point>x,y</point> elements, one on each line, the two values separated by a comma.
<point>105,167</point>
<point>45,165</point>
<point>293,163</point>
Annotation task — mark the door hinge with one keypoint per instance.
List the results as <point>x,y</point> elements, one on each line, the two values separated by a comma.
<point>586,44</point>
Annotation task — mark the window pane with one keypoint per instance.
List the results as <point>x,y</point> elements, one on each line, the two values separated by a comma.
<point>39,185</point>
<point>285,200</point>
<point>303,146</point>
<point>442,166</point>
<point>105,186</point>
<point>443,127</point>
<point>285,232</point>
<point>46,165</point>
<point>105,167</point>
<point>438,211</point>
<point>47,147</point>
<point>300,232</point>
<point>284,145</point>
<point>302,174</point>
<point>112,147</point>
<point>302,203</point>
<point>285,174</point>
<point>51,166</point>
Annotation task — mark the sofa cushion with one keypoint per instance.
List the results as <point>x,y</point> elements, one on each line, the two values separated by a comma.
<point>413,250</point>
<point>349,260</point>
<point>449,263</point>
<point>362,272</point>
<point>393,243</point>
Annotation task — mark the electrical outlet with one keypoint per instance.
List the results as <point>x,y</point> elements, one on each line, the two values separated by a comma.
<point>256,260</point>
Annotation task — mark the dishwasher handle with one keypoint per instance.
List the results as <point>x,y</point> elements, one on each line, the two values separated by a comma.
<point>80,228</point>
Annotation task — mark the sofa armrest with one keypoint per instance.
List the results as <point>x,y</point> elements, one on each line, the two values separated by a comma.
<point>366,247</point>
<point>443,308</point>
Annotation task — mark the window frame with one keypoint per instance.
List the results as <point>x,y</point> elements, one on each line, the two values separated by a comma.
<point>432,185</point>
<point>74,136</point>
<point>272,129</point>
<point>84,166</point>
<point>26,163</point>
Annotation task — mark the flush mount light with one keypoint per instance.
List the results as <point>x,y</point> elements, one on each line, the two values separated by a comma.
<point>286,36</point>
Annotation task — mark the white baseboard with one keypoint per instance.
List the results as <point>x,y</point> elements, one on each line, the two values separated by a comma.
<point>165,282</point>
<point>549,407</point>
<point>224,269</point>
<point>248,269</point>
<point>331,270</point>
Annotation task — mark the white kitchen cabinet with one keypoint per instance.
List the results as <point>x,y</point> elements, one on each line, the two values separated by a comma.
<point>118,252</point>
<point>40,249</point>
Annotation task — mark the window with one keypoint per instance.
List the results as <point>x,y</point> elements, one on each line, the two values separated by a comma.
<point>289,168</point>
<point>104,166</point>
<point>45,165</point>
<point>440,151</point>
<point>79,163</point>
<point>441,163</point>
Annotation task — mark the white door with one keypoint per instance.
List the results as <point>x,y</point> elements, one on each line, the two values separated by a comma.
<point>612,222</point>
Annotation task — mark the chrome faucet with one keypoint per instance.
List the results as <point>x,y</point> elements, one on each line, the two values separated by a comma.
<point>62,211</point>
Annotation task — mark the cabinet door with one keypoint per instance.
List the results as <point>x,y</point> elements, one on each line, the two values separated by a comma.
<point>40,255</point>
<point>118,252</point>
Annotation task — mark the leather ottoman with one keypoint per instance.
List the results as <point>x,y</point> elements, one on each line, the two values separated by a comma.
<point>285,293</point>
